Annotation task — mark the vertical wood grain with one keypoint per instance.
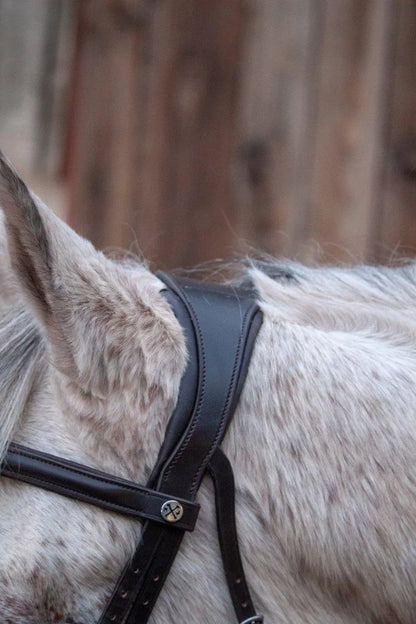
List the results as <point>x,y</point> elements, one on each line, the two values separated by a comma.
<point>277,116</point>
<point>105,121</point>
<point>396,234</point>
<point>154,132</point>
<point>35,56</point>
<point>348,150</point>
<point>201,124</point>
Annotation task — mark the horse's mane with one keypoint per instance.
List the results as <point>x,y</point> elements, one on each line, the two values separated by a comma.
<point>22,361</point>
<point>288,286</point>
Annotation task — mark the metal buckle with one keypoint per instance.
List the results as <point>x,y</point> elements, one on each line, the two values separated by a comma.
<point>256,619</point>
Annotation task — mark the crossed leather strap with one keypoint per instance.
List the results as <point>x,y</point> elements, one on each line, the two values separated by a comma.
<point>220,326</point>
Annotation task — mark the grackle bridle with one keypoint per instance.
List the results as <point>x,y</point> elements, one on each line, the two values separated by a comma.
<point>220,325</point>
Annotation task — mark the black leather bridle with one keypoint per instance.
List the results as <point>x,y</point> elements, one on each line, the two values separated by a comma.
<point>220,326</point>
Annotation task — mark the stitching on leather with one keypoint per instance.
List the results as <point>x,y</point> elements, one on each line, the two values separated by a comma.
<point>51,462</point>
<point>156,497</point>
<point>143,589</point>
<point>231,385</point>
<point>127,610</point>
<point>195,421</point>
<point>202,395</point>
<point>126,508</point>
<point>128,579</point>
<point>228,398</point>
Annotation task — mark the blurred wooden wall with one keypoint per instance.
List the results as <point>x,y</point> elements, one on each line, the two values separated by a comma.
<point>200,126</point>
<point>36,51</point>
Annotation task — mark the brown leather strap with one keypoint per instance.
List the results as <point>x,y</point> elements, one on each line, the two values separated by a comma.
<point>92,486</point>
<point>224,324</point>
<point>220,325</point>
<point>222,476</point>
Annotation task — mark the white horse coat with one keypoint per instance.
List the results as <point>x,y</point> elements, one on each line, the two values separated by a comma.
<point>323,442</point>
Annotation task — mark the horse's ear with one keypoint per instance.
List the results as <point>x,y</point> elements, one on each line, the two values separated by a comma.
<point>75,291</point>
<point>41,246</point>
<point>50,261</point>
<point>9,291</point>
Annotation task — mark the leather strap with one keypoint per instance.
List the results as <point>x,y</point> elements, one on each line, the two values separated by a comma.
<point>222,476</point>
<point>92,486</point>
<point>222,324</point>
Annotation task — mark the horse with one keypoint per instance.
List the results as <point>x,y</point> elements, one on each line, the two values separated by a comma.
<point>322,442</point>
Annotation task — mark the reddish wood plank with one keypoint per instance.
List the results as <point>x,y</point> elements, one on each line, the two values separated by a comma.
<point>187,140</point>
<point>191,130</point>
<point>154,136</point>
<point>348,152</point>
<point>397,233</point>
<point>104,129</point>
<point>278,91</point>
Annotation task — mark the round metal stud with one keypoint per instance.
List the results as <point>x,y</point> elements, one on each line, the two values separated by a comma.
<point>171,511</point>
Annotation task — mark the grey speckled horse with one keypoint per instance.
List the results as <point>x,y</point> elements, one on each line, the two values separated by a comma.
<point>323,442</point>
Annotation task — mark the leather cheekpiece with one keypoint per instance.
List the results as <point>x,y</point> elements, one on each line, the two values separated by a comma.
<point>220,329</point>
<point>220,325</point>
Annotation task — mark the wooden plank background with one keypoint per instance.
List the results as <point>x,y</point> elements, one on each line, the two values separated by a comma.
<point>36,51</point>
<point>188,130</point>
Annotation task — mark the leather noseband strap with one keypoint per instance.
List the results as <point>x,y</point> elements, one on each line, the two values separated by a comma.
<point>220,325</point>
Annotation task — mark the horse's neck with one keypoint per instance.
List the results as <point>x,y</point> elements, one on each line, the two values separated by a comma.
<point>43,425</point>
<point>60,557</point>
<point>55,424</point>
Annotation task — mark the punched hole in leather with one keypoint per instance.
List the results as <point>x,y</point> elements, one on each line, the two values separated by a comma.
<point>220,325</point>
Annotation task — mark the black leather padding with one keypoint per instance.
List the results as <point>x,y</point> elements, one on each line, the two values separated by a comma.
<point>223,319</point>
<point>187,391</point>
<point>222,325</point>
